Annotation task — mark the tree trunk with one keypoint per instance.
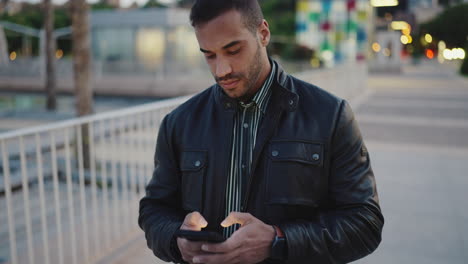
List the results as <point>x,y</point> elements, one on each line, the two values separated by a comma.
<point>4,58</point>
<point>81,68</point>
<point>81,57</point>
<point>50,83</point>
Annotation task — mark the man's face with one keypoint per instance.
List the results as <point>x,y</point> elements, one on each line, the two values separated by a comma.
<point>235,55</point>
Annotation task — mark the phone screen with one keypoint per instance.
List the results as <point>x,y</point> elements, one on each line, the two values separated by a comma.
<point>207,236</point>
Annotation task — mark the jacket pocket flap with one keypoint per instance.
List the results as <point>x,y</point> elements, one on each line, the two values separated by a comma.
<point>193,160</point>
<point>298,151</point>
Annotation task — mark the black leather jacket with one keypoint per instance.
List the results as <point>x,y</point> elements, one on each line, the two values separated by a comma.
<point>318,186</point>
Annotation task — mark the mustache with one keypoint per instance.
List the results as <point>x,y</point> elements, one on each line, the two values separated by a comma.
<point>229,77</point>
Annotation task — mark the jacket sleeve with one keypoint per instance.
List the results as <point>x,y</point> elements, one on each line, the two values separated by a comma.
<point>160,215</point>
<point>351,226</point>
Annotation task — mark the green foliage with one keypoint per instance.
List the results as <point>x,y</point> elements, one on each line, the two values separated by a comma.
<point>281,16</point>
<point>153,4</point>
<point>450,26</point>
<point>32,16</point>
<point>464,67</point>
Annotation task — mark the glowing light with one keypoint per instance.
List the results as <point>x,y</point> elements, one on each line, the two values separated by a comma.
<point>428,38</point>
<point>429,54</point>
<point>375,47</point>
<point>327,55</point>
<point>454,54</point>
<point>59,54</point>
<point>404,39</point>
<point>440,54</point>
<point>406,31</point>
<point>400,25</point>
<point>315,62</point>
<point>410,39</point>
<point>13,56</point>
<point>150,47</point>
<point>387,52</point>
<point>441,45</point>
<point>380,3</point>
<point>458,53</point>
<point>448,54</point>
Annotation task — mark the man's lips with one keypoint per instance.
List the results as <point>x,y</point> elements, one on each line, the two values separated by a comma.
<point>229,84</point>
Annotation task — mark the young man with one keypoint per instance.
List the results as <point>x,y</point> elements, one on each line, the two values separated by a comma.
<point>276,165</point>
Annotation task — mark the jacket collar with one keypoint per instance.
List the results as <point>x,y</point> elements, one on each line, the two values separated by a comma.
<point>282,92</point>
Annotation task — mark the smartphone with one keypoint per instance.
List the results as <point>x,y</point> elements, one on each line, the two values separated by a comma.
<point>207,236</point>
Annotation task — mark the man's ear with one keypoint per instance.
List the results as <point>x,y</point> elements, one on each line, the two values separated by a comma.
<point>264,33</point>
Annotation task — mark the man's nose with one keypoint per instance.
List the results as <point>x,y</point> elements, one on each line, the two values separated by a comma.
<point>223,68</point>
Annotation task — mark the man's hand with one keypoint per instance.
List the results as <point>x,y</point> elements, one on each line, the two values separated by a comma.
<point>195,222</point>
<point>249,244</point>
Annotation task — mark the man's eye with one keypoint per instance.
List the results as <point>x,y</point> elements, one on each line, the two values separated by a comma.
<point>210,56</point>
<point>234,52</point>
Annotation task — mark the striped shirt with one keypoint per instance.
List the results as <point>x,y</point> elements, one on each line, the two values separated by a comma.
<point>246,124</point>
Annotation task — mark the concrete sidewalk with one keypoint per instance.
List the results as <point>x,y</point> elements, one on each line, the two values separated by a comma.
<point>415,126</point>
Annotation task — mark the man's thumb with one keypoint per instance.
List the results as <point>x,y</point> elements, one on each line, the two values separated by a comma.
<point>195,220</point>
<point>236,218</point>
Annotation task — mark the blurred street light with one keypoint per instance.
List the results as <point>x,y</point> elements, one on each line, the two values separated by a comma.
<point>375,47</point>
<point>404,39</point>
<point>428,38</point>
<point>382,3</point>
<point>454,54</point>
<point>400,25</point>
<point>13,56</point>
<point>441,46</point>
<point>59,54</point>
<point>406,31</point>
<point>429,54</point>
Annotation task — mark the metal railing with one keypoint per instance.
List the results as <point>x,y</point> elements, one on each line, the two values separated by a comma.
<point>70,190</point>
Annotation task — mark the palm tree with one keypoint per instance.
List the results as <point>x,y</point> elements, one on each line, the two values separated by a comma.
<point>81,57</point>
<point>50,83</point>
<point>81,67</point>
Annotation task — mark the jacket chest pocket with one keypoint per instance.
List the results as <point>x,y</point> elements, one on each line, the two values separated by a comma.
<point>193,166</point>
<point>295,172</point>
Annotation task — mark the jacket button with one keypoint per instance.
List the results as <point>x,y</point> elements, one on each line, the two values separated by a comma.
<point>316,156</point>
<point>228,105</point>
<point>197,163</point>
<point>274,153</point>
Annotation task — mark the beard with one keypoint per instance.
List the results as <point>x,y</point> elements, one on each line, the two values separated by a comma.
<point>254,71</point>
<point>250,77</point>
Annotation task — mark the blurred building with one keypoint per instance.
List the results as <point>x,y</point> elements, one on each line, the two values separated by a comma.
<point>144,40</point>
<point>336,30</point>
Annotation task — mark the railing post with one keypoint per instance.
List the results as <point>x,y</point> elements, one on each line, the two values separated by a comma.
<point>11,224</point>
<point>27,207</point>
<point>40,176</point>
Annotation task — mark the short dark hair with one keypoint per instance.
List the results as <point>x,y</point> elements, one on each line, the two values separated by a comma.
<point>205,10</point>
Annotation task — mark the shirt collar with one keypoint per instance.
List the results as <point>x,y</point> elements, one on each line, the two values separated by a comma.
<point>263,95</point>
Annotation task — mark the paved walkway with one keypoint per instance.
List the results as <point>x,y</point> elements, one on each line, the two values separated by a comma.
<point>416,129</point>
